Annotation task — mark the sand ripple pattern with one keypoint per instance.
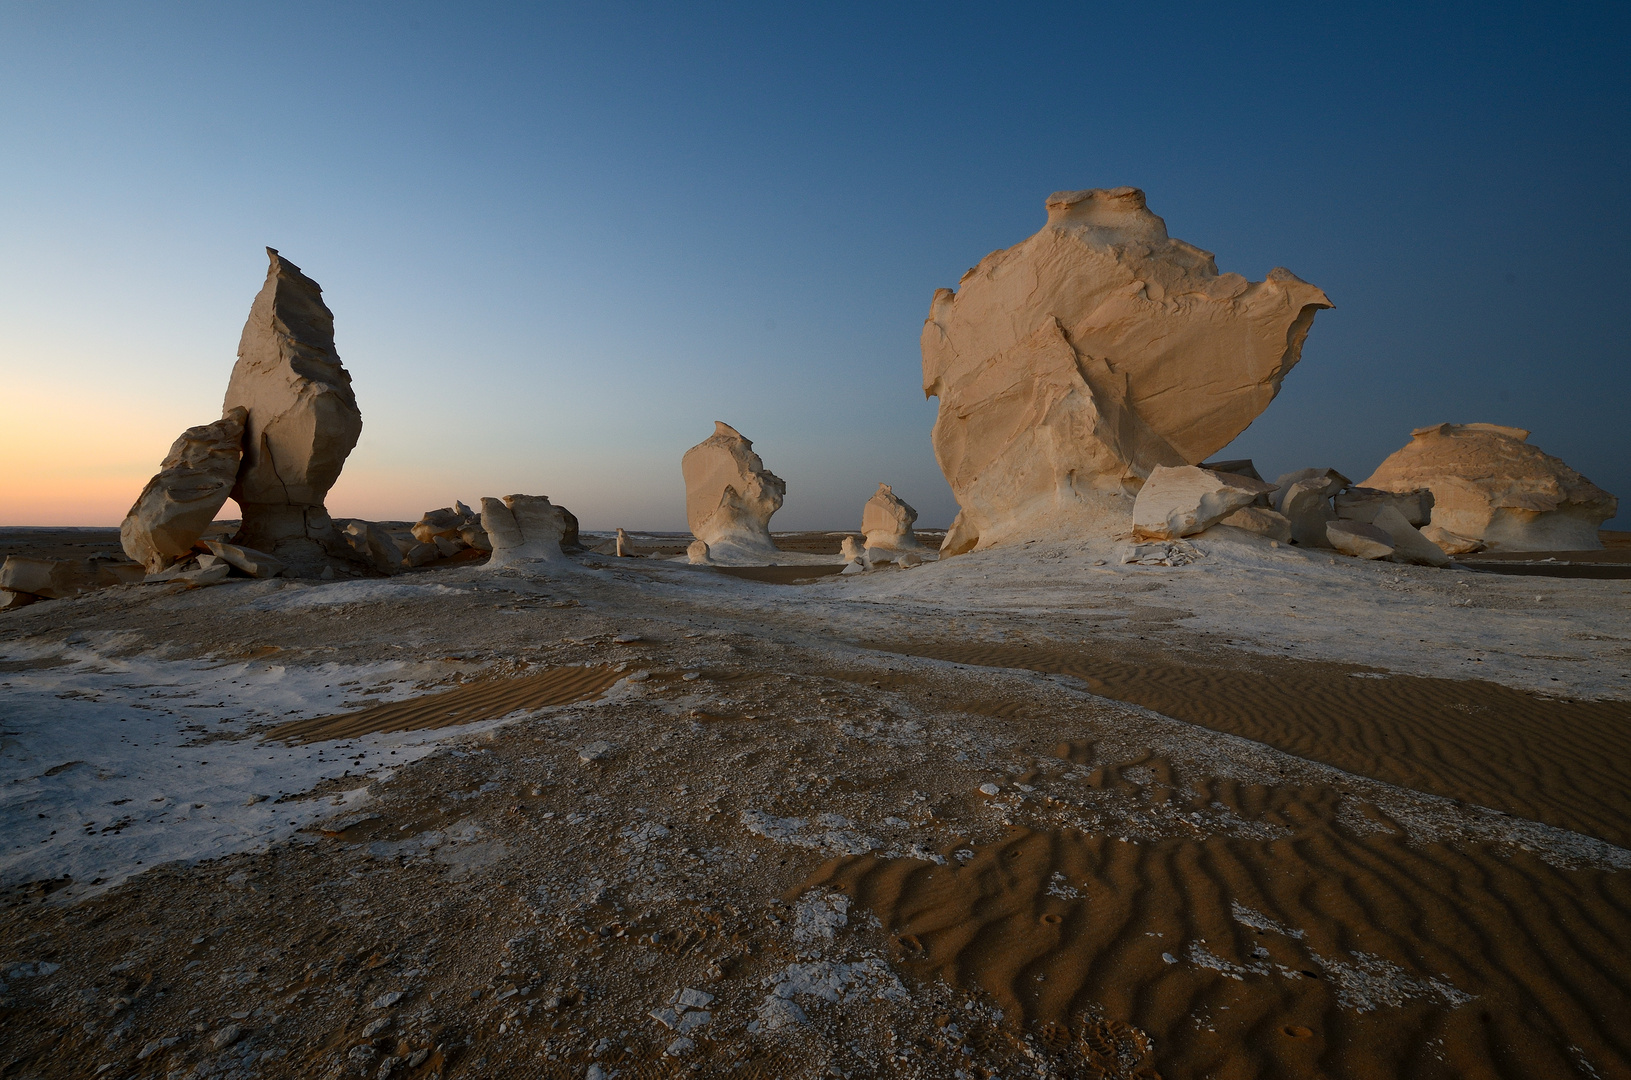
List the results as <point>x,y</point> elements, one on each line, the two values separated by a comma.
<point>1559,762</point>
<point>1321,953</point>
<point>485,699</point>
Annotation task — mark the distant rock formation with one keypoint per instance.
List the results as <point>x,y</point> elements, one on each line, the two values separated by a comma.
<point>730,496</point>
<point>526,529</point>
<point>1491,486</point>
<point>1071,365</point>
<point>886,523</point>
<point>192,485</point>
<point>302,423</point>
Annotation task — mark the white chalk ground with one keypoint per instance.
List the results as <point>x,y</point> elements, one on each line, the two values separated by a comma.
<point>112,763</point>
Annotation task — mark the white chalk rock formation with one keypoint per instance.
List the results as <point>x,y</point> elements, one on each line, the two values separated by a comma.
<point>886,522</point>
<point>850,551</point>
<point>730,496</point>
<point>1304,498</point>
<point>1182,501</point>
<point>1363,504</point>
<point>524,529</point>
<point>1359,539</point>
<point>1490,484</point>
<point>51,579</point>
<point>1409,545</point>
<point>303,422</point>
<point>192,485</point>
<point>1072,364</point>
<point>697,553</point>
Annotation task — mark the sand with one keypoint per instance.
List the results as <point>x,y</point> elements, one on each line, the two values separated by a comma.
<point>1019,814</point>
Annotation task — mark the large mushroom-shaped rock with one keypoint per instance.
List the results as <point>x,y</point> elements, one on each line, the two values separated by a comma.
<point>730,496</point>
<point>886,522</point>
<point>303,422</point>
<point>1182,501</point>
<point>1489,484</point>
<point>525,529</point>
<point>1072,364</point>
<point>192,485</point>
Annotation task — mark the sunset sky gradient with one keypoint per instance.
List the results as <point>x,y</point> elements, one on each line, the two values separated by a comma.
<point>561,240</point>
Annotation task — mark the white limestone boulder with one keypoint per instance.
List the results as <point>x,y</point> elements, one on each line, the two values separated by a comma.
<point>50,579</point>
<point>730,497</point>
<point>302,423</point>
<point>374,545</point>
<point>850,551</point>
<point>192,485</point>
<point>1182,501</point>
<point>1452,543</point>
<point>1260,521</point>
<point>1071,365</point>
<point>1490,484</point>
<point>1408,544</point>
<point>525,529</point>
<point>697,553</point>
<point>1359,539</point>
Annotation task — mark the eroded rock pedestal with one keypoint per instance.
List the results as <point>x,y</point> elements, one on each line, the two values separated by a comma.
<point>192,485</point>
<point>1490,485</point>
<point>302,423</point>
<point>526,529</point>
<point>730,496</point>
<point>1071,365</point>
<point>886,523</point>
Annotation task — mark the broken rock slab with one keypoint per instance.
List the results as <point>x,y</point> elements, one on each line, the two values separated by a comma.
<point>47,579</point>
<point>1182,501</point>
<point>1359,539</point>
<point>302,423</point>
<point>374,545</point>
<point>1160,553</point>
<point>1260,521</point>
<point>1452,543</point>
<point>1071,365</point>
<point>1408,544</point>
<point>525,529</point>
<point>1490,484</point>
<point>191,486</point>
<point>256,564</point>
<point>1304,498</point>
<point>1363,504</point>
<point>730,497</point>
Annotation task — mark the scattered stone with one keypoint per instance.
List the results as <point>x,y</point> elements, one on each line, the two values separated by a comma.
<point>989,789</point>
<point>446,523</point>
<point>679,1047</point>
<point>693,999</point>
<point>385,1001</point>
<point>1359,539</point>
<point>730,497</point>
<point>10,599</point>
<point>376,1026</point>
<point>1182,501</point>
<point>192,485</point>
<point>1160,553</point>
<point>596,751</point>
<point>226,1037</point>
<point>303,422</point>
<point>1071,365</point>
<point>419,555</point>
<point>1490,484</point>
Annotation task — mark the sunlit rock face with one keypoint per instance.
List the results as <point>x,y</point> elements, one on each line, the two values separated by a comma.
<point>1491,486</point>
<point>303,422</point>
<point>192,485</point>
<point>730,496</point>
<point>1072,364</point>
<point>886,522</point>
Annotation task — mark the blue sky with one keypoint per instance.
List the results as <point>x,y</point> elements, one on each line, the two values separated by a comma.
<point>560,241</point>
